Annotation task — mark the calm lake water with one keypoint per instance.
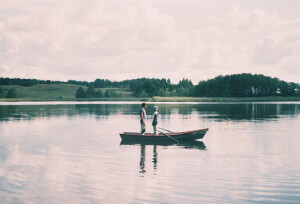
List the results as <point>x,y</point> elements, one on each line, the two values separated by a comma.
<point>72,153</point>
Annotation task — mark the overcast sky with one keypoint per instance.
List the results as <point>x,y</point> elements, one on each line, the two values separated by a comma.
<point>117,39</point>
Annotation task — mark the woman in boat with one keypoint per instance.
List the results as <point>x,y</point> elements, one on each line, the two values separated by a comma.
<point>155,121</point>
<point>143,118</point>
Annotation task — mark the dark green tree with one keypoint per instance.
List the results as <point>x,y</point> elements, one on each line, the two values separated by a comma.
<point>99,94</point>
<point>114,94</point>
<point>111,93</point>
<point>107,93</point>
<point>11,93</point>
<point>80,93</point>
<point>143,95</point>
<point>91,91</point>
<point>1,92</point>
<point>161,92</point>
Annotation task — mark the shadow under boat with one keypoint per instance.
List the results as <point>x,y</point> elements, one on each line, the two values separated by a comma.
<point>190,144</point>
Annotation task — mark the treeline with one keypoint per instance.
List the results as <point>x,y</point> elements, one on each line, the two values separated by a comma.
<point>245,85</point>
<point>142,88</point>
<point>101,83</point>
<point>26,82</point>
<point>91,92</point>
<point>160,87</point>
<point>98,83</point>
<point>236,85</point>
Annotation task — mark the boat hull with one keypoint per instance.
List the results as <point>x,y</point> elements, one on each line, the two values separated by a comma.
<point>188,135</point>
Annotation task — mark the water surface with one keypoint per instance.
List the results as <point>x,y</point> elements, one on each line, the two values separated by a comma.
<point>72,153</point>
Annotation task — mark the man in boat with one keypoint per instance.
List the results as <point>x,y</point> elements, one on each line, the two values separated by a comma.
<point>155,116</point>
<point>143,118</point>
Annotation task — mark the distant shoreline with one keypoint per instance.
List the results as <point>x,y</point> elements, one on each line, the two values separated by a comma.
<point>164,99</point>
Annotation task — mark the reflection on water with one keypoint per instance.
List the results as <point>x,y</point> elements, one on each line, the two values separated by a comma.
<point>187,145</point>
<point>154,157</point>
<point>193,144</point>
<point>142,160</point>
<point>250,111</point>
<point>73,154</point>
<point>209,111</point>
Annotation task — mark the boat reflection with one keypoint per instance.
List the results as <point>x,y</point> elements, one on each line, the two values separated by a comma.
<point>186,144</point>
<point>190,144</point>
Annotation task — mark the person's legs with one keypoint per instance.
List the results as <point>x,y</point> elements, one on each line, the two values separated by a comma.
<point>154,129</point>
<point>143,129</point>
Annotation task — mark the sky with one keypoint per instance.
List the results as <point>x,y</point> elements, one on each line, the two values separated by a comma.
<point>118,40</point>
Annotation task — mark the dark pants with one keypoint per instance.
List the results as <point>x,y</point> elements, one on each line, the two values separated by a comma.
<point>143,127</point>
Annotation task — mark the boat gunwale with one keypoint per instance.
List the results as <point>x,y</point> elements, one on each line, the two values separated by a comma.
<point>169,134</point>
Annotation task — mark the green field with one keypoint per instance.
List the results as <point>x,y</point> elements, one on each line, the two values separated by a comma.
<point>44,91</point>
<point>66,92</point>
<point>56,92</point>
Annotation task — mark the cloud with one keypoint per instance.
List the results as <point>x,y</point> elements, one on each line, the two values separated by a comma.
<point>92,39</point>
<point>243,20</point>
<point>272,50</point>
<point>292,67</point>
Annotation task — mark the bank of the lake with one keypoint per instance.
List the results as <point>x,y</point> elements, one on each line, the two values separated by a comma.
<point>224,99</point>
<point>164,99</point>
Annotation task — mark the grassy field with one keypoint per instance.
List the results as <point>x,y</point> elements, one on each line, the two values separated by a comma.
<point>66,92</point>
<point>43,92</point>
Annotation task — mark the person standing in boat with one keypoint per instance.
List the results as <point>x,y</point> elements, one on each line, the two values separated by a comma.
<point>155,121</point>
<point>143,118</point>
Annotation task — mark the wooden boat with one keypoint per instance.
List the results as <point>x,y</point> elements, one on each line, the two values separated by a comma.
<point>188,135</point>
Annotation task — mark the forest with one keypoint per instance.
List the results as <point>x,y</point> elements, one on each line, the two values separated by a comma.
<point>236,85</point>
<point>245,85</point>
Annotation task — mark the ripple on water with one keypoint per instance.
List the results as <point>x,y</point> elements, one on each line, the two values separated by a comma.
<point>72,153</point>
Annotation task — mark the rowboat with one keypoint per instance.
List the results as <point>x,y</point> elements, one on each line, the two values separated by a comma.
<point>187,135</point>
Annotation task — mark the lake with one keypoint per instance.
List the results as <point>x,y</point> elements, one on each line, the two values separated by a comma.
<point>71,152</point>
